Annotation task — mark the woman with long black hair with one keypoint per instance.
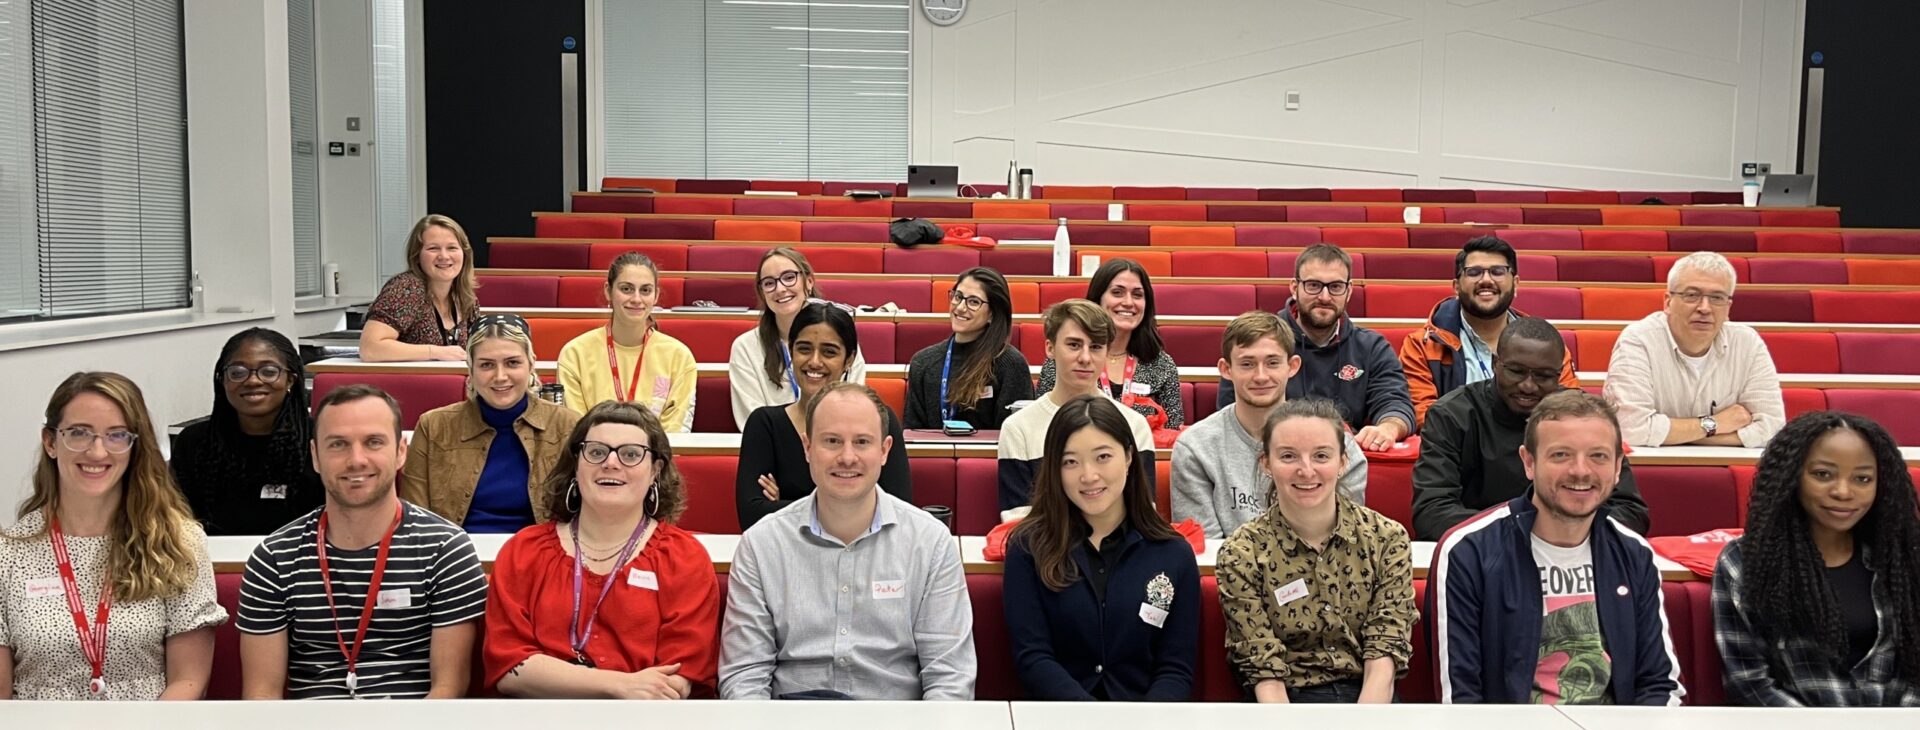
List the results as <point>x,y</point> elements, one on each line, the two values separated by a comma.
<point>1818,603</point>
<point>247,468</point>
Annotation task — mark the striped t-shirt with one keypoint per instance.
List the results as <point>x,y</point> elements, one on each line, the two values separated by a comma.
<point>433,580</point>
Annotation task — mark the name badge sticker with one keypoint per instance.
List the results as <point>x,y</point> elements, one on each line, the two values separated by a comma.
<point>1290,592</point>
<point>987,392</point>
<point>1140,388</point>
<point>643,579</point>
<point>395,598</point>
<point>1153,615</point>
<point>273,491</point>
<point>889,589</point>
<point>43,587</point>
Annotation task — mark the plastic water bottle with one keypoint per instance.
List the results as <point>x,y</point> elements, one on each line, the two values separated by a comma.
<point>1062,251</point>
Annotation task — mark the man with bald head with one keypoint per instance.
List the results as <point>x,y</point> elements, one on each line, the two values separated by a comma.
<point>1467,448</point>
<point>849,592</point>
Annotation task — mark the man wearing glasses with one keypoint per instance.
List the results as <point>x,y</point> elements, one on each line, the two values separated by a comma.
<point>1684,375</point>
<point>1456,346</point>
<point>1470,445</point>
<point>1350,365</point>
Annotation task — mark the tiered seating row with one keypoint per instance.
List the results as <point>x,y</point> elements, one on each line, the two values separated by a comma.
<point>1394,262</point>
<point>1214,297</point>
<point>1328,212</point>
<point>1561,235</point>
<point>1176,192</point>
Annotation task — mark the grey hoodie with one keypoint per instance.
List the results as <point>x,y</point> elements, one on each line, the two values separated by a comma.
<point>1217,480</point>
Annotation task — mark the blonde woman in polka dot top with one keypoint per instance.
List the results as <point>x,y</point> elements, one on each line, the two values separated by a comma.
<point>106,525</point>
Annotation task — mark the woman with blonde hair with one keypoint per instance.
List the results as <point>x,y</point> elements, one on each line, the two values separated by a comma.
<point>423,313</point>
<point>611,600</point>
<point>479,462</point>
<point>107,537</point>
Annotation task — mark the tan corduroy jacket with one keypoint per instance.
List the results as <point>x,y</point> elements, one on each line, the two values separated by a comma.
<point>449,449</point>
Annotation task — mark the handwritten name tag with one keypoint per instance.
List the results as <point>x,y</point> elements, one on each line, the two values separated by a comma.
<point>394,598</point>
<point>43,587</point>
<point>1153,615</point>
<point>643,579</point>
<point>889,589</point>
<point>1290,592</point>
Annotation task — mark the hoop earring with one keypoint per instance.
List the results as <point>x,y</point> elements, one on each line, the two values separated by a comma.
<point>572,499</point>
<point>653,499</point>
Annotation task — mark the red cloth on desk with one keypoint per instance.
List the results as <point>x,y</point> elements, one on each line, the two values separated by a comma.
<point>531,601</point>
<point>1699,552</point>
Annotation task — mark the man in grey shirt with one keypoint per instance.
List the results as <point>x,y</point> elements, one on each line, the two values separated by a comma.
<point>848,592</point>
<point>1217,479</point>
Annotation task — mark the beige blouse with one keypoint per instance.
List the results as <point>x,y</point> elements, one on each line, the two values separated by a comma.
<point>37,625</point>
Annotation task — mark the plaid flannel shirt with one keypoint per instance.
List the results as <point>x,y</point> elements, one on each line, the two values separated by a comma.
<point>1796,671</point>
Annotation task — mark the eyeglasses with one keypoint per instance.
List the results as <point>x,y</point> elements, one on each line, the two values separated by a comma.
<point>78,439</point>
<point>1475,272</point>
<point>1692,297</point>
<point>1311,286</point>
<point>973,304</point>
<point>1517,372</point>
<point>630,454</point>
<point>768,283</point>
<point>240,373</point>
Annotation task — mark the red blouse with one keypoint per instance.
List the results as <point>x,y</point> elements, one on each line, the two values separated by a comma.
<point>531,601</point>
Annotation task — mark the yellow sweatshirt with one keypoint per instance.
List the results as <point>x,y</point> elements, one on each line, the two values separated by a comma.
<point>666,380</point>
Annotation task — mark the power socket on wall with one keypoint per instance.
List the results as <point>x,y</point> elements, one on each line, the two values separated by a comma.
<point>1755,169</point>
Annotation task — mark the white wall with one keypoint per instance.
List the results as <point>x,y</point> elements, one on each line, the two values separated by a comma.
<point>343,46</point>
<point>1619,94</point>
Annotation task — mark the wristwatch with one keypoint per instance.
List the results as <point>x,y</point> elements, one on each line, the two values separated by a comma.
<point>1707,424</point>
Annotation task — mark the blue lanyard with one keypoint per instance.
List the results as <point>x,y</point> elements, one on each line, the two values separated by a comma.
<point>946,409</point>
<point>791,381</point>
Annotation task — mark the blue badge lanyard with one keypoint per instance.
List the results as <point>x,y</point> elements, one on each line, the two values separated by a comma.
<point>946,409</point>
<point>791,380</point>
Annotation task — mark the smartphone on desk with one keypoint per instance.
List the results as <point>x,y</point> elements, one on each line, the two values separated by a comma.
<point>956,428</point>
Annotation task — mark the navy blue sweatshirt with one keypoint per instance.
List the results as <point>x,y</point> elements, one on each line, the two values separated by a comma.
<point>1070,644</point>
<point>1357,370</point>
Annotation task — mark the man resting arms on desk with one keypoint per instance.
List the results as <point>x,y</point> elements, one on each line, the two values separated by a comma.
<point>1685,375</point>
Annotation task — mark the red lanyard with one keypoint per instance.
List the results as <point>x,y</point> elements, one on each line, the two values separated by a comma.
<point>93,640</point>
<point>613,363</point>
<point>1126,388</point>
<point>373,594</point>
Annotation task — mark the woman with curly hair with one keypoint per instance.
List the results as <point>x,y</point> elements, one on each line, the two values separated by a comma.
<point>106,529</point>
<point>1828,612</point>
<point>611,599</point>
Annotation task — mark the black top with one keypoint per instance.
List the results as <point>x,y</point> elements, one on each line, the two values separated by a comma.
<point>1100,562</point>
<point>1470,460</point>
<point>1012,381</point>
<point>1853,588</point>
<point>769,444</point>
<point>243,487</point>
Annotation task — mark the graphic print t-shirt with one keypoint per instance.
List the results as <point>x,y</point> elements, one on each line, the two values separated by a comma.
<point>1573,666</point>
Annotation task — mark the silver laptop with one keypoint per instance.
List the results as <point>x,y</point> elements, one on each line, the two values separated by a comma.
<point>1791,191</point>
<point>933,181</point>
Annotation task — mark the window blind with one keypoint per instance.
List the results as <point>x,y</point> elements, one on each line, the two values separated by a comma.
<point>109,129</point>
<point>19,250</point>
<point>304,111</point>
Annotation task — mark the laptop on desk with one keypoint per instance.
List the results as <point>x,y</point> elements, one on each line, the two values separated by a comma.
<point>933,181</point>
<point>1787,191</point>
